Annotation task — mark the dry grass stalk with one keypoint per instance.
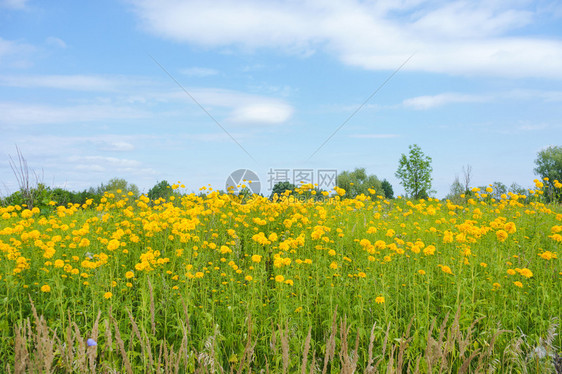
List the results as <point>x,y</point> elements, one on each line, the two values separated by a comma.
<point>284,346</point>
<point>331,343</point>
<point>248,354</point>
<point>404,342</point>
<point>305,351</point>
<point>121,345</point>
<point>369,367</point>
<point>152,316</point>
<point>92,351</point>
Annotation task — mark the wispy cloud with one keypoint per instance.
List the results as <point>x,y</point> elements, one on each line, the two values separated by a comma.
<point>242,108</point>
<point>433,101</point>
<point>55,42</point>
<point>102,164</point>
<point>15,54</point>
<point>199,72</point>
<point>72,82</point>
<point>264,113</point>
<point>16,114</point>
<point>13,4</point>
<point>459,37</point>
<point>374,136</point>
<point>117,146</point>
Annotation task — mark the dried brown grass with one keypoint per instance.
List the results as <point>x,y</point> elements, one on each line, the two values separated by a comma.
<point>449,349</point>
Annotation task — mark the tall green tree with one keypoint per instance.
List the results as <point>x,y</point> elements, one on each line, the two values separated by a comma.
<point>414,171</point>
<point>387,188</point>
<point>281,187</point>
<point>358,182</point>
<point>115,184</point>
<point>549,164</point>
<point>161,189</point>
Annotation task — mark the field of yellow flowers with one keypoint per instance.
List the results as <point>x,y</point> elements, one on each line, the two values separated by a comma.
<point>285,285</point>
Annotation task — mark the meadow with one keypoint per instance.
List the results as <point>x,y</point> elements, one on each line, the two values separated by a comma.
<point>294,284</point>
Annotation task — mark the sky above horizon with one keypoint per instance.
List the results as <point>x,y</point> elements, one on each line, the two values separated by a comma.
<point>190,91</point>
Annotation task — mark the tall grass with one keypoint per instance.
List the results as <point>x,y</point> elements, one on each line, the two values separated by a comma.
<point>205,284</point>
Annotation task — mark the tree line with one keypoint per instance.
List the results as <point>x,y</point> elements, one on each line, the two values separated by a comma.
<point>414,172</point>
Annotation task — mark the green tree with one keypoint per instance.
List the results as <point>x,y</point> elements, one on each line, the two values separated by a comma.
<point>415,173</point>
<point>499,190</point>
<point>549,165</point>
<point>387,188</point>
<point>161,189</point>
<point>358,182</point>
<point>280,187</point>
<point>455,191</point>
<point>517,189</point>
<point>115,184</point>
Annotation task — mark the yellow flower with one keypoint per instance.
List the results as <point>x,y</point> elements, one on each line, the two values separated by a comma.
<point>518,284</point>
<point>525,272</point>
<point>510,227</point>
<point>59,263</point>
<point>547,255</point>
<point>129,275</point>
<point>421,272</point>
<point>510,271</point>
<point>46,288</point>
<point>334,265</point>
<point>199,274</point>
<point>446,269</point>
<point>279,278</point>
<point>256,258</point>
<point>379,300</point>
<point>289,282</point>
<point>501,235</point>
<point>248,278</point>
<point>108,295</point>
<point>429,250</point>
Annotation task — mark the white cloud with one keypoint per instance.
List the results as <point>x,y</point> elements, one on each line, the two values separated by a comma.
<point>199,72</point>
<point>55,42</point>
<point>374,136</point>
<point>118,146</point>
<point>102,164</point>
<point>429,102</point>
<point>13,4</point>
<point>264,113</point>
<point>243,108</point>
<point>15,54</point>
<point>458,37</point>
<point>66,82</point>
<point>15,114</point>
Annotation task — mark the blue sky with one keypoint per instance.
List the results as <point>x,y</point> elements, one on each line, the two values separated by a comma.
<point>83,99</point>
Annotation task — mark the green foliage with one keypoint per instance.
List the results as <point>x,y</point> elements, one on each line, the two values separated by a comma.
<point>549,165</point>
<point>517,189</point>
<point>455,191</point>
<point>161,189</point>
<point>116,184</point>
<point>358,182</point>
<point>387,188</point>
<point>281,187</point>
<point>415,173</point>
<point>499,190</point>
